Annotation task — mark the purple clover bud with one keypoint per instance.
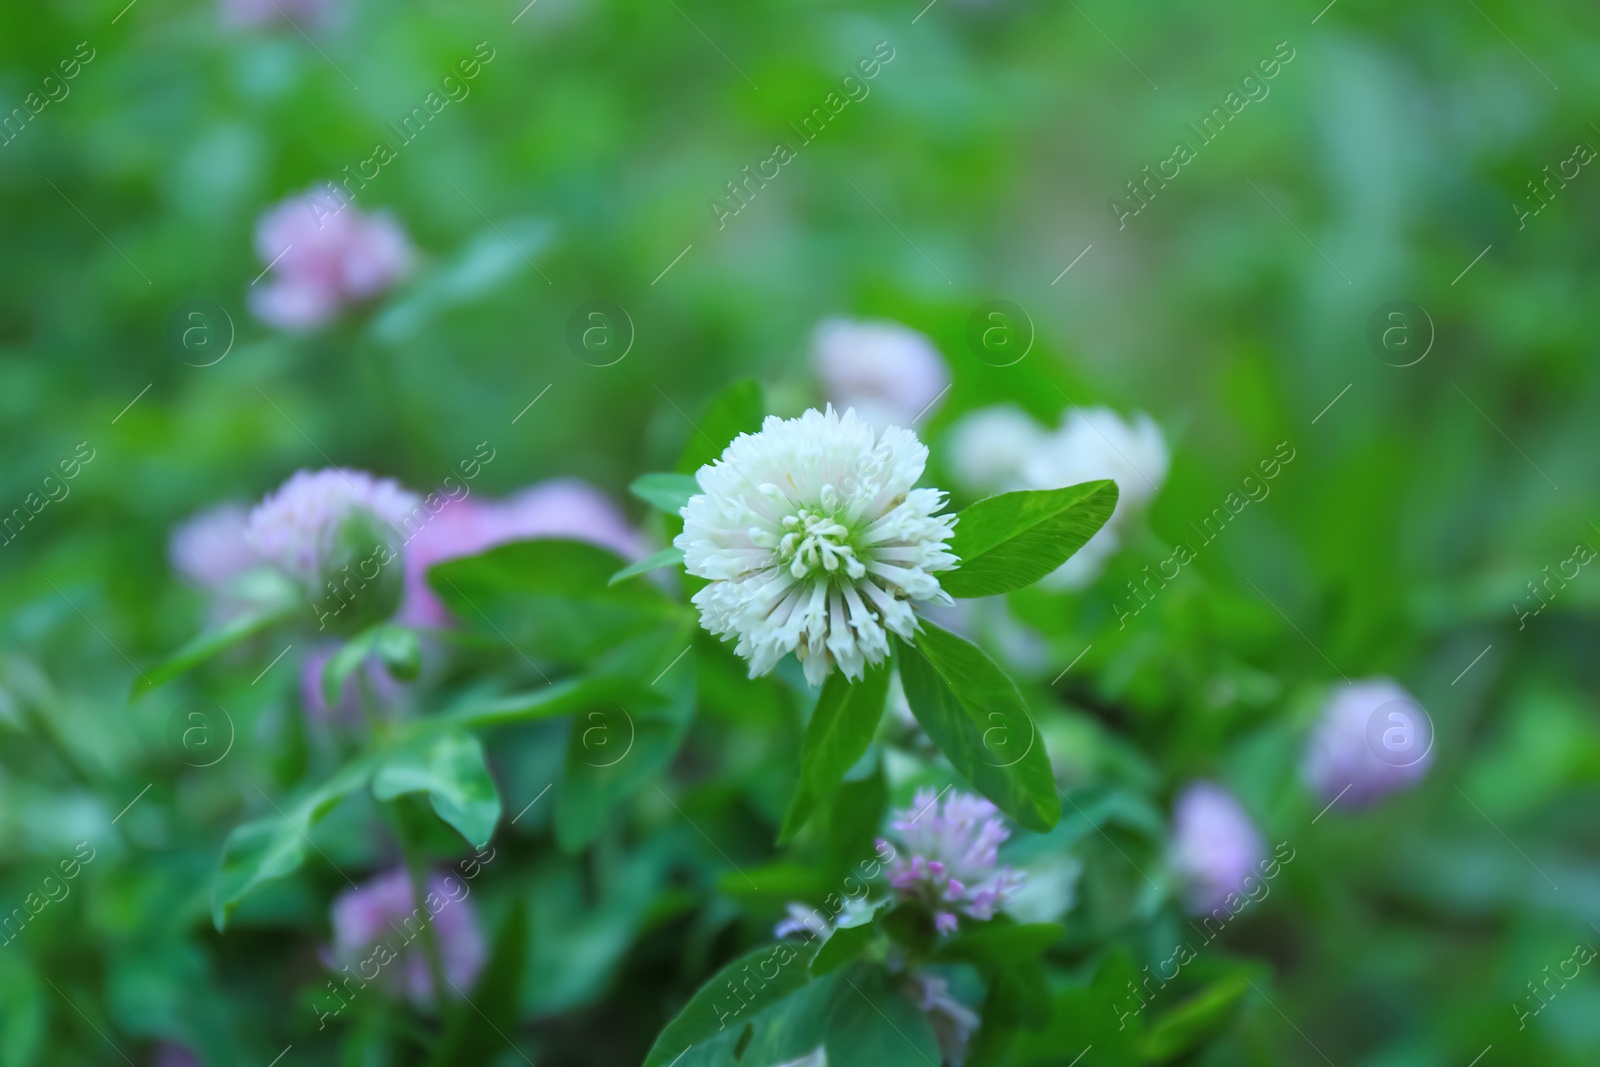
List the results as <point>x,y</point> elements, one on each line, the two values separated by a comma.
<point>1215,846</point>
<point>954,851</point>
<point>1372,740</point>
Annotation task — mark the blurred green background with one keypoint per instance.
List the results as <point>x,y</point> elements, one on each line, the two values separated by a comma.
<point>1390,152</point>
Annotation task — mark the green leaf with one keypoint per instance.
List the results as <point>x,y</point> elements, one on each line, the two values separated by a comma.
<point>551,598</point>
<point>1104,1013</point>
<point>765,976</point>
<point>843,946</point>
<point>874,1023</point>
<point>1193,1020</point>
<point>274,845</point>
<point>451,770</point>
<point>667,557</point>
<point>665,492</point>
<point>401,651</point>
<point>1010,541</point>
<point>998,945</point>
<point>616,748</point>
<point>737,409</point>
<point>972,711</point>
<point>467,1042</point>
<point>210,642</point>
<point>854,818</point>
<point>841,728</point>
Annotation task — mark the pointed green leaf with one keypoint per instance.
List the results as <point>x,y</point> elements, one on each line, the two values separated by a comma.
<point>764,976</point>
<point>667,557</point>
<point>451,770</point>
<point>843,946</point>
<point>1194,1019</point>
<point>665,492</point>
<point>972,711</point>
<point>1010,541</point>
<point>841,728</point>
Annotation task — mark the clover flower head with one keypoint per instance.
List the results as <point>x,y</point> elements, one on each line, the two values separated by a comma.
<point>815,542</point>
<point>562,507</point>
<point>1215,845</point>
<point>1343,759</point>
<point>376,923</point>
<point>209,549</point>
<point>297,527</point>
<point>954,852</point>
<point>890,374</point>
<point>325,255</point>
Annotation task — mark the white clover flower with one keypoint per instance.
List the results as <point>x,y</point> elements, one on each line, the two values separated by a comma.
<point>815,542</point>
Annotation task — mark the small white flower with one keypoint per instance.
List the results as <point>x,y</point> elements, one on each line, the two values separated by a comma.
<point>815,542</point>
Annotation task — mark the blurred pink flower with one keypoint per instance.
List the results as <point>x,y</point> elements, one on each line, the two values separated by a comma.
<point>1372,740</point>
<point>954,853</point>
<point>375,925</point>
<point>209,549</point>
<point>890,374</point>
<point>560,508</point>
<point>296,526</point>
<point>1215,846</point>
<point>324,255</point>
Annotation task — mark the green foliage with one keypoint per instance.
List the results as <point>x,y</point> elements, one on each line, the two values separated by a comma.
<point>665,492</point>
<point>1010,541</point>
<point>551,597</point>
<point>973,711</point>
<point>737,409</point>
<point>842,726</point>
<point>450,769</point>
